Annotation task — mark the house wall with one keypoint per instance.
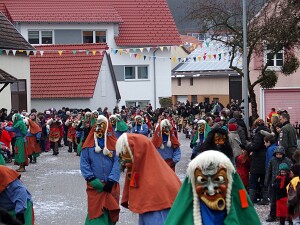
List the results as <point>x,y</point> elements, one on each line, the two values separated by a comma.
<point>284,82</point>
<point>19,67</point>
<point>135,90</point>
<point>203,87</point>
<point>104,95</point>
<point>63,32</point>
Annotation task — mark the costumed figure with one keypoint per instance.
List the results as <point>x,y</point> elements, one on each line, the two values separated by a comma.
<point>20,130</point>
<point>100,167</point>
<point>83,129</point>
<point>4,153</point>
<point>14,196</point>
<point>5,139</point>
<point>54,125</point>
<point>201,133</point>
<point>217,139</point>
<point>167,143</point>
<point>140,127</point>
<point>212,193</point>
<point>33,137</point>
<point>119,126</point>
<point>71,124</point>
<point>95,115</point>
<point>150,185</point>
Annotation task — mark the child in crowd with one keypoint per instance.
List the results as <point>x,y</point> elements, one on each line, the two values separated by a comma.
<point>280,183</point>
<point>270,144</point>
<point>293,190</point>
<point>271,173</point>
<point>243,167</point>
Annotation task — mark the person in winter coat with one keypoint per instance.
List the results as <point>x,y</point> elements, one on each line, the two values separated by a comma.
<point>257,152</point>
<point>242,164</point>
<point>273,170</point>
<point>271,145</point>
<point>279,185</point>
<point>234,140</point>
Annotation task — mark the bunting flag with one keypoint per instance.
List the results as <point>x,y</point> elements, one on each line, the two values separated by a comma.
<point>7,52</point>
<point>14,52</point>
<point>161,48</point>
<point>0,52</point>
<point>27,52</point>
<point>21,51</point>
<point>141,49</point>
<point>121,51</point>
<point>42,53</point>
<point>94,52</point>
<point>74,52</point>
<point>60,52</point>
<point>145,57</point>
<point>87,52</point>
<point>34,52</point>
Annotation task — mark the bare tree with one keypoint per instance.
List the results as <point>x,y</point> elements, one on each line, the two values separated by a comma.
<point>271,26</point>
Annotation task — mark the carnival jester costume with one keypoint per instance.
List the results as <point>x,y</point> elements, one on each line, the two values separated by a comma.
<point>119,126</point>
<point>212,194</point>
<point>19,128</point>
<point>100,167</point>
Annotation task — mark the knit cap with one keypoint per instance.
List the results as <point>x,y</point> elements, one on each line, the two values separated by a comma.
<point>283,166</point>
<point>232,127</point>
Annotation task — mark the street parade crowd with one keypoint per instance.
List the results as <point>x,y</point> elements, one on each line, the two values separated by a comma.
<point>231,167</point>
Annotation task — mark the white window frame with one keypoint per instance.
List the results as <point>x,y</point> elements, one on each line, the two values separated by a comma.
<point>40,37</point>
<point>136,72</point>
<point>135,103</point>
<point>274,67</point>
<point>94,35</point>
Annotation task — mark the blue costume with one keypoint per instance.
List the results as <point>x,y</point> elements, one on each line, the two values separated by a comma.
<point>169,152</point>
<point>140,129</point>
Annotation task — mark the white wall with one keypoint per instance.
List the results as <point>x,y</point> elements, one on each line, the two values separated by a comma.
<point>104,95</point>
<point>144,89</point>
<point>19,67</point>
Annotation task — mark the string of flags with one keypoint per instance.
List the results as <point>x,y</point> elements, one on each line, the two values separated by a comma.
<point>205,51</point>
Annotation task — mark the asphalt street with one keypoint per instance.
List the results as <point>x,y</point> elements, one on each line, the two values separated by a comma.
<point>58,189</point>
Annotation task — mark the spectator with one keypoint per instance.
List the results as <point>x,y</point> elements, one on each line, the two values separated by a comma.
<point>294,193</point>
<point>270,144</point>
<point>288,135</point>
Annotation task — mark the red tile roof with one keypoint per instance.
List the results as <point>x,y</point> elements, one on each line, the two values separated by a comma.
<point>146,23</point>
<point>142,22</point>
<point>67,76</point>
<point>61,11</point>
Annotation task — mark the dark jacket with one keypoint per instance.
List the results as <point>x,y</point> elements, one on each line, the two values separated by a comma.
<point>258,149</point>
<point>288,138</point>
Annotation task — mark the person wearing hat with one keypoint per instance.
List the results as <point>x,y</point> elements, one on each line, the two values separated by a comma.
<point>212,193</point>
<point>293,190</point>
<point>140,127</point>
<point>71,124</point>
<point>14,197</point>
<point>279,185</point>
<point>20,130</point>
<point>99,165</point>
<point>167,143</point>
<point>234,140</point>
<point>54,126</point>
<point>83,129</point>
<point>271,173</point>
<point>119,126</point>
<point>150,186</point>
<point>201,133</point>
<point>33,137</point>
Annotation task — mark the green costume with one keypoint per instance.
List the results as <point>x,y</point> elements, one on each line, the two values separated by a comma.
<point>241,210</point>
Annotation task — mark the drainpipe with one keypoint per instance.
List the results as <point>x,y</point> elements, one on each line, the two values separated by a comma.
<point>154,76</point>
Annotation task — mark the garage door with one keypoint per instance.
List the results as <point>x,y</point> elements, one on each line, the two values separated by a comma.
<point>182,98</point>
<point>283,99</point>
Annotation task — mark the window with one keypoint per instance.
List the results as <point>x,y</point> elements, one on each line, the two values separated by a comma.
<point>93,36</point>
<point>194,99</point>
<point>142,104</point>
<point>136,72</point>
<point>40,37</point>
<point>191,81</point>
<point>179,81</point>
<point>274,60</point>
<point>19,95</point>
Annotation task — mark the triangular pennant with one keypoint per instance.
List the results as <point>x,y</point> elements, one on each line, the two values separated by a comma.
<point>60,52</point>
<point>87,52</point>
<point>134,50</point>
<point>101,52</point>
<point>7,52</point>
<point>141,49</point>
<point>120,50</point>
<point>135,55</point>
<point>27,52</point>
<point>42,53</point>
<point>207,44</point>
<point>145,57</point>
<point>195,59</point>
<point>209,56</point>
<point>34,52</point>
<point>115,51</point>
<point>130,54</point>
<point>199,58</point>
<point>168,47</point>
<point>220,55</point>
<point>215,56</point>
<point>74,52</point>
<point>174,59</point>
<point>127,50</point>
<point>204,57</point>
<point>179,59</point>
<point>14,52</point>
<point>161,48</point>
<point>21,51</point>
<point>148,49</point>
<point>1,52</point>
<point>139,56</point>
<point>94,52</point>
<point>194,45</point>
